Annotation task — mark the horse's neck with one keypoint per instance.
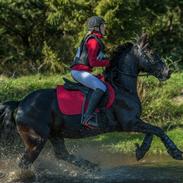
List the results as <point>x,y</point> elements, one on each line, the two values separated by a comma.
<point>128,83</point>
<point>126,92</point>
<point>127,80</point>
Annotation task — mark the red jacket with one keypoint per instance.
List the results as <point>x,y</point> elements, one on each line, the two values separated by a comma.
<point>93,48</point>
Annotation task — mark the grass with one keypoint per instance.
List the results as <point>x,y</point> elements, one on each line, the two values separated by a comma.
<point>158,102</point>
<point>15,89</point>
<point>125,142</point>
<point>159,106</point>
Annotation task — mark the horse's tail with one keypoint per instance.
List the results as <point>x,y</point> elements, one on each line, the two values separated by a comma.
<point>7,110</point>
<point>7,121</point>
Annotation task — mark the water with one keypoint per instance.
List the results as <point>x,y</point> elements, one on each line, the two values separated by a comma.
<point>115,168</point>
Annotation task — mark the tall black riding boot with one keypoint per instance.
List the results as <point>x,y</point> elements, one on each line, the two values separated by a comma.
<point>93,102</point>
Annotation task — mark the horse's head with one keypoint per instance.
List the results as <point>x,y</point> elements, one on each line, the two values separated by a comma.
<point>149,61</point>
<point>130,59</point>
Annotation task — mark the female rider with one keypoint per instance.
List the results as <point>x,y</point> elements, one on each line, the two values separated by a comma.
<point>90,54</point>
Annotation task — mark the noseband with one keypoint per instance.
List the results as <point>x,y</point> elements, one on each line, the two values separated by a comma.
<point>149,61</point>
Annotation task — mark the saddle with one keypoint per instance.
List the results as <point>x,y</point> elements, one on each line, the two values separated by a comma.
<point>73,98</point>
<point>70,85</point>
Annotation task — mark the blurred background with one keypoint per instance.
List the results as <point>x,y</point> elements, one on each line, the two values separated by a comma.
<point>41,36</point>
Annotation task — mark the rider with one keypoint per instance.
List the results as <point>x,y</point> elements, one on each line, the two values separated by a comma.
<point>91,53</point>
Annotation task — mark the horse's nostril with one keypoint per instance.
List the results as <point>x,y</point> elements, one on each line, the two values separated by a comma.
<point>169,73</point>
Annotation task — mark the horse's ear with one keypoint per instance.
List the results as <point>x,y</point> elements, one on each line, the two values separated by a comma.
<point>143,41</point>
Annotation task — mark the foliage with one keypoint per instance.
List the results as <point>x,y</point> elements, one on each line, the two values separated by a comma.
<point>159,100</point>
<point>158,103</point>
<point>124,142</point>
<point>15,89</point>
<point>27,26</point>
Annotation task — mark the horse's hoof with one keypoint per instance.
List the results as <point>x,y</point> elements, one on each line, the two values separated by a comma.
<point>139,153</point>
<point>177,154</point>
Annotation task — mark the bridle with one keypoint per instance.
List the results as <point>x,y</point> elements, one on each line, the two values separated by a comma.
<point>149,61</point>
<point>131,75</point>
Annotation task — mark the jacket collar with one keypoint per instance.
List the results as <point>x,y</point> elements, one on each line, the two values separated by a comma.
<point>98,34</point>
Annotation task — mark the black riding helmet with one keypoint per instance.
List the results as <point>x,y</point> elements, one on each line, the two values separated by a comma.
<point>94,21</point>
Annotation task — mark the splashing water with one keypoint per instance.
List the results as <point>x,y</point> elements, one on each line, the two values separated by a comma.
<point>115,167</point>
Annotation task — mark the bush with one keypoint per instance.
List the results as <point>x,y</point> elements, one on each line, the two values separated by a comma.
<point>158,99</point>
<point>159,106</point>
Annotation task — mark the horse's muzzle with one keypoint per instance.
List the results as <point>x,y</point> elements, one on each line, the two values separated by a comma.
<point>166,73</point>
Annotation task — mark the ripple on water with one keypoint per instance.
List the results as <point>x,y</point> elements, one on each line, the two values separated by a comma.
<point>116,168</point>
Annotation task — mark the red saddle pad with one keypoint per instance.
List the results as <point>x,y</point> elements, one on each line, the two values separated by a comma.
<point>70,101</point>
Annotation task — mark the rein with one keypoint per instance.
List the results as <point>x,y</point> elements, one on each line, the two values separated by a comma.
<point>132,75</point>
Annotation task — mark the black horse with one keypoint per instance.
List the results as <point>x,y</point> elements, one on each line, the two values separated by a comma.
<point>37,117</point>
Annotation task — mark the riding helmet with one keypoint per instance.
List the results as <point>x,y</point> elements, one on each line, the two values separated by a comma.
<point>95,21</point>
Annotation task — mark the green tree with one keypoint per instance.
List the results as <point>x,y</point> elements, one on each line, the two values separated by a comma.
<point>29,27</point>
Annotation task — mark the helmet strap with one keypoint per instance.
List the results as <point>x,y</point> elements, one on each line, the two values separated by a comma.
<point>99,30</point>
<point>93,29</point>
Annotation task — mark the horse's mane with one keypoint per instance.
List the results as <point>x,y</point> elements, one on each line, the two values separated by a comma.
<point>119,51</point>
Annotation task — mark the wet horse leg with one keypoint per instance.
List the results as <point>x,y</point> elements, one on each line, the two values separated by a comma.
<point>59,147</point>
<point>33,146</point>
<point>142,149</point>
<point>172,149</point>
<point>62,153</point>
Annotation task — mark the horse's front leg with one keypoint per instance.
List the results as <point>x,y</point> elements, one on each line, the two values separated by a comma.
<point>142,149</point>
<point>62,153</point>
<point>141,126</point>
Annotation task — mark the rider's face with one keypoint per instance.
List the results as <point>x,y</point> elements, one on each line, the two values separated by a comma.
<point>102,29</point>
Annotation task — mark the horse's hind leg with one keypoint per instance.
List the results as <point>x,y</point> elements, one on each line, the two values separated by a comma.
<point>169,144</point>
<point>62,153</point>
<point>33,146</point>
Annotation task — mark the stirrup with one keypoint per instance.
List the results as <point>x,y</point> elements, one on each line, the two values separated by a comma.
<point>88,124</point>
